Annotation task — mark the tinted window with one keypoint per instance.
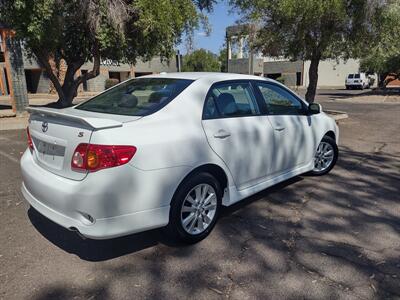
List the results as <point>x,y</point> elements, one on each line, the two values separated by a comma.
<point>230,100</point>
<point>279,101</point>
<point>351,76</point>
<point>356,75</point>
<point>137,97</point>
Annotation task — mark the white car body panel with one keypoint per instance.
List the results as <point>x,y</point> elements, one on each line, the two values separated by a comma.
<point>171,143</point>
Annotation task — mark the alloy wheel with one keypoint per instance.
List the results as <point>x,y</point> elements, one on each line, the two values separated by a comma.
<point>323,157</point>
<point>199,209</point>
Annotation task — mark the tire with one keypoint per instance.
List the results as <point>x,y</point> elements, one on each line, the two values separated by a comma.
<point>326,140</point>
<point>190,186</point>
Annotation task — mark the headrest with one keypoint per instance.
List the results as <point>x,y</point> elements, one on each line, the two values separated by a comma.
<point>128,101</point>
<point>159,96</point>
<point>226,104</point>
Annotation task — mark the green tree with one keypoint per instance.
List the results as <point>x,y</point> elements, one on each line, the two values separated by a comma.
<point>383,56</point>
<point>78,31</point>
<point>309,29</point>
<point>201,61</point>
<point>222,58</point>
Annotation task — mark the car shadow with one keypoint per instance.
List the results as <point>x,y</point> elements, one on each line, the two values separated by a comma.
<point>89,249</point>
<point>101,250</point>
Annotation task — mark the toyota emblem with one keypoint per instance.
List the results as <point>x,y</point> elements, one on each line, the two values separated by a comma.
<point>45,126</point>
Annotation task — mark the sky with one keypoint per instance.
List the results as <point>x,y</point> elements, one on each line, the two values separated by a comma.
<point>219,19</point>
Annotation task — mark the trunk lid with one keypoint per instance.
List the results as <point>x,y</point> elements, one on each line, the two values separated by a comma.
<point>56,134</point>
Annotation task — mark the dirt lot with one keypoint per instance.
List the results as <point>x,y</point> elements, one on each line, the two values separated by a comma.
<point>332,237</point>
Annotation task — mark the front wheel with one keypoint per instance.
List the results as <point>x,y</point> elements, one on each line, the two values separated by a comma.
<point>325,157</point>
<point>195,208</point>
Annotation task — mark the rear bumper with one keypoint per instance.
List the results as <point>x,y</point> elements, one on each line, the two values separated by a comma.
<point>119,201</point>
<point>354,84</point>
<point>102,228</point>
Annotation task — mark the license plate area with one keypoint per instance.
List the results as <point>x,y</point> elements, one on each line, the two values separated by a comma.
<point>50,154</point>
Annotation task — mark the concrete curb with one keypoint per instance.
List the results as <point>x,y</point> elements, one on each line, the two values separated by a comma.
<point>337,115</point>
<point>7,113</point>
<point>13,123</point>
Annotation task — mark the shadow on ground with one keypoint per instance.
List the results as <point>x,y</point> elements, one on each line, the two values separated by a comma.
<point>95,250</point>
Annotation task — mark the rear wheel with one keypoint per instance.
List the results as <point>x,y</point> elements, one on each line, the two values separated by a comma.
<point>195,208</point>
<point>325,157</point>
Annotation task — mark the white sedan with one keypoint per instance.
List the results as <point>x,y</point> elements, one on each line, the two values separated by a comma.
<point>170,150</point>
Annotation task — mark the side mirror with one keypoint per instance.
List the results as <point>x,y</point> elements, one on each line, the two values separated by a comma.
<point>314,108</point>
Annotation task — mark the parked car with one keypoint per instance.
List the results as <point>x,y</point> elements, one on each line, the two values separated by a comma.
<point>136,157</point>
<point>358,80</point>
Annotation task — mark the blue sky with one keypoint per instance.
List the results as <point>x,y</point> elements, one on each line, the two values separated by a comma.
<point>219,19</point>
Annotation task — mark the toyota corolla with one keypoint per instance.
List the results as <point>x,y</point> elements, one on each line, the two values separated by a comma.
<point>169,151</point>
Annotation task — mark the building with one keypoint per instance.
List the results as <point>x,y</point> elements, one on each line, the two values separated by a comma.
<point>36,80</point>
<point>241,59</point>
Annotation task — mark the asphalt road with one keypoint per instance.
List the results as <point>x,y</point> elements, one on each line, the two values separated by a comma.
<point>331,237</point>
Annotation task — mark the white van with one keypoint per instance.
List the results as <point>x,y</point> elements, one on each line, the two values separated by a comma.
<point>358,80</point>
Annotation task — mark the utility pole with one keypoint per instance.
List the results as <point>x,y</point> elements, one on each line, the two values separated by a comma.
<point>228,51</point>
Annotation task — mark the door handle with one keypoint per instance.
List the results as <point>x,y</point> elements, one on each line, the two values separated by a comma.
<point>222,134</point>
<point>279,128</point>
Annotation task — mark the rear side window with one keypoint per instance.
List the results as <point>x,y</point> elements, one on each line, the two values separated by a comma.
<point>230,100</point>
<point>278,101</point>
<point>137,97</point>
<point>350,76</point>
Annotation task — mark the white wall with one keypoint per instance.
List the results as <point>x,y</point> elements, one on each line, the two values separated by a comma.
<point>332,73</point>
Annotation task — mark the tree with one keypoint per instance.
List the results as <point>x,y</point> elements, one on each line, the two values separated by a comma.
<point>77,31</point>
<point>222,58</point>
<point>383,56</point>
<point>309,29</point>
<point>201,61</point>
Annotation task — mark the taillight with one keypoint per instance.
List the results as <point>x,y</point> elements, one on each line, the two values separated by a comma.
<point>30,143</point>
<point>92,157</point>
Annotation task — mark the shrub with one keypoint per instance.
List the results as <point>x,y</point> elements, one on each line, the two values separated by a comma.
<point>110,82</point>
<point>281,79</point>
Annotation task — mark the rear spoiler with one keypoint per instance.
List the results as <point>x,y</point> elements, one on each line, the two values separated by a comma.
<point>94,123</point>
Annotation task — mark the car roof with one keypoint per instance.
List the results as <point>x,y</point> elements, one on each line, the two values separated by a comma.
<point>210,75</point>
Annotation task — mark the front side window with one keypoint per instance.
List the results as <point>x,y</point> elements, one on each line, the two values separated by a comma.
<point>278,101</point>
<point>230,100</point>
<point>137,97</point>
<point>357,76</point>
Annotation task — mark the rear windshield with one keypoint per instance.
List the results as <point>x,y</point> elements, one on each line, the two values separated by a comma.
<point>350,76</point>
<point>137,97</point>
